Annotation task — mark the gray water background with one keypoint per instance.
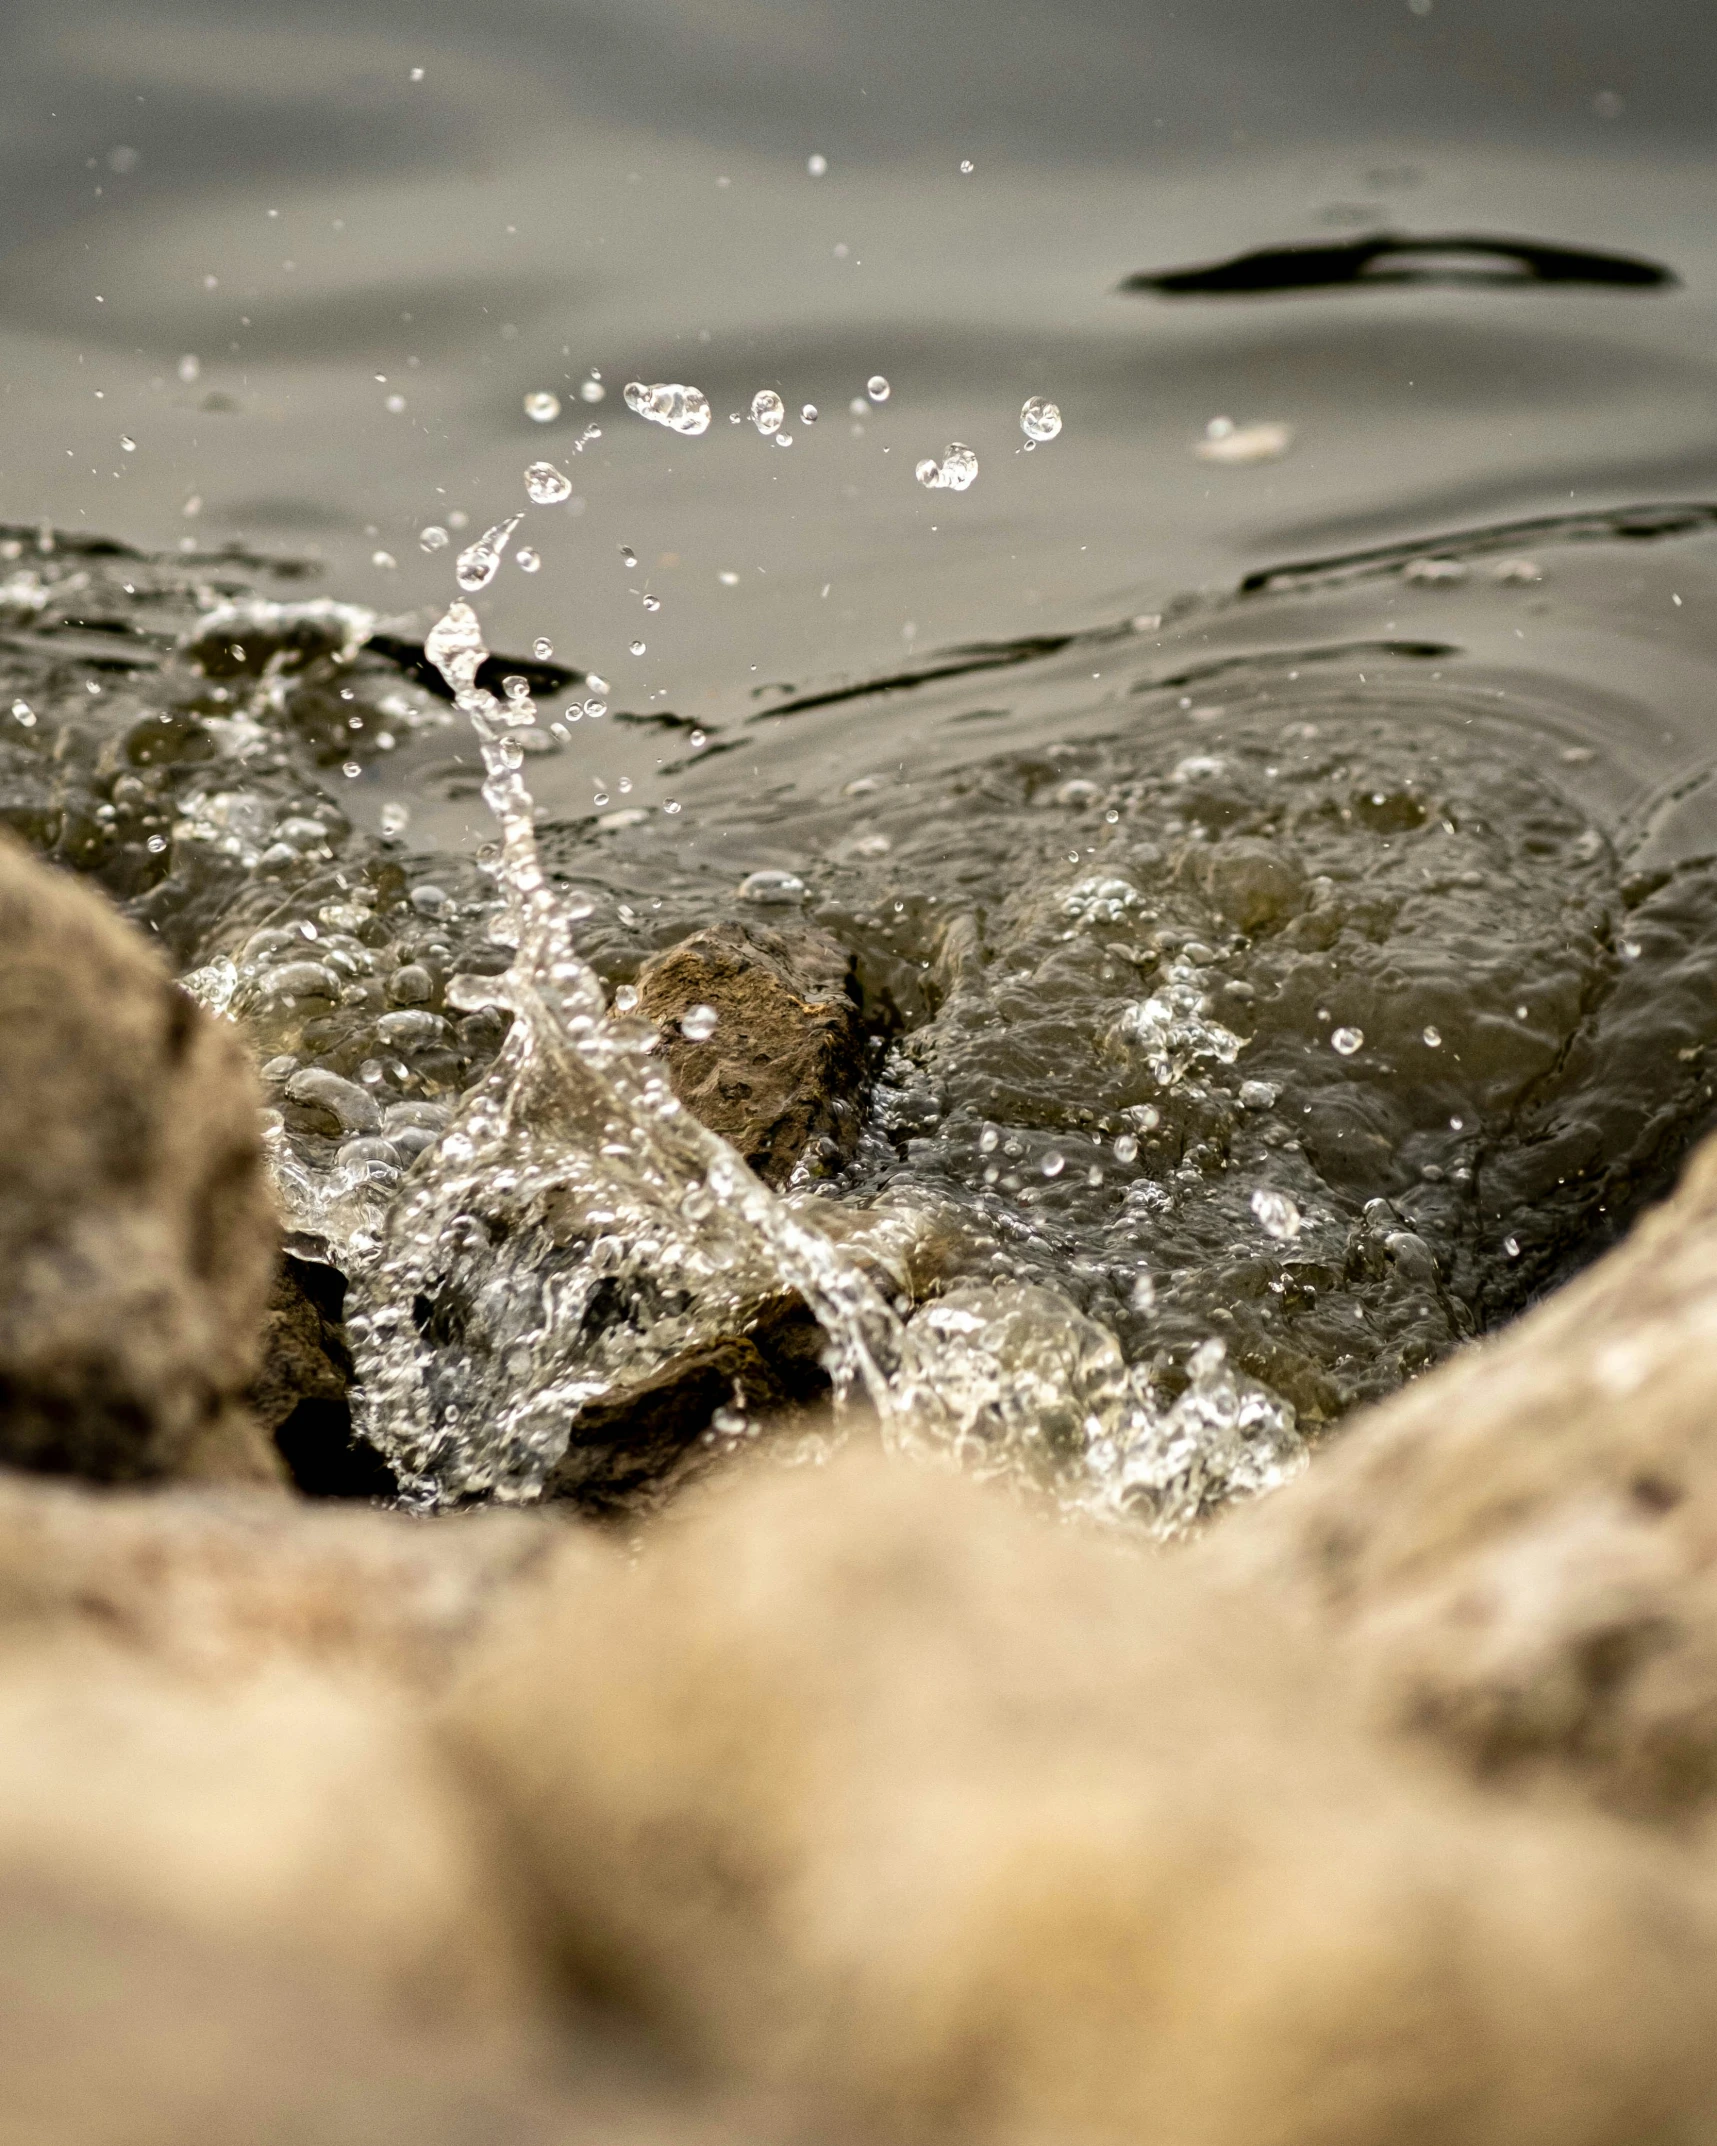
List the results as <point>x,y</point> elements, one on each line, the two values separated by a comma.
<point>269,189</point>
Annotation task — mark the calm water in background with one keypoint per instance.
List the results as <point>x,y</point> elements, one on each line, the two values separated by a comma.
<point>622,186</point>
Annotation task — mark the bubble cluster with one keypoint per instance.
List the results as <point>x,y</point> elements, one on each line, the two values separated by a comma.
<point>956,472</point>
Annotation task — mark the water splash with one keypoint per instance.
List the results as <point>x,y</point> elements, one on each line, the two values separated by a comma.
<point>681,409</point>
<point>956,472</point>
<point>574,1228</point>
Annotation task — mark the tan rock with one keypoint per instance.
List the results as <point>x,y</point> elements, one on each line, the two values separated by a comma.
<point>866,1780</point>
<point>288,1816</point>
<point>216,1585</point>
<point>136,1229</point>
<point>1517,1555</point>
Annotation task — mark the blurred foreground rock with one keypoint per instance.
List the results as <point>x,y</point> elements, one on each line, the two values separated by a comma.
<point>1516,1558</point>
<point>136,1228</point>
<point>867,1784</point>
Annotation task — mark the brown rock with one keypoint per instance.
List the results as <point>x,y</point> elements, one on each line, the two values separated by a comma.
<point>301,1395</point>
<point>864,1779</point>
<point>136,1228</point>
<point>1517,1555</point>
<point>785,1067</point>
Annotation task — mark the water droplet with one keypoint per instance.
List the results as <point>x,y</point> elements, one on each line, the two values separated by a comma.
<point>698,1023</point>
<point>546,485</point>
<point>1126,1148</point>
<point>542,648</point>
<point>479,563</point>
<point>541,407</point>
<point>637,648</point>
<point>127,444</point>
<point>697,741</point>
<point>1277,1215</point>
<point>23,713</point>
<point>652,603</point>
<point>1224,441</point>
<point>772,889</point>
<point>783,439</point>
<point>434,538</point>
<point>189,367</point>
<point>1511,1245</point>
<point>383,559</point>
<point>394,405</point>
<point>877,388</point>
<point>1144,1296</point>
<point>1258,1094</point>
<point>808,413</point>
<point>595,709</point>
<point>966,167</point>
<point>988,1140</point>
<point>727,578</point>
<point>530,562</point>
<point>1347,1040</point>
<point>670,805</point>
<point>681,409</point>
<point>767,410</point>
<point>954,473</point>
<point>393,820</point>
<point>816,165</point>
<point>1038,419</point>
<point>1053,1163</point>
<point>1434,1038</point>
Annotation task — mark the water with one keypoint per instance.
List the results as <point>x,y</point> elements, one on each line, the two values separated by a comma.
<point>1293,786</point>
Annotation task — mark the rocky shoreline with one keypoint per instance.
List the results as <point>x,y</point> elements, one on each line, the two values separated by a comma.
<point>848,1800</point>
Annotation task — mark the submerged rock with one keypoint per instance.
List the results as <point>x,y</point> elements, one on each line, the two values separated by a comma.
<point>764,1042</point>
<point>137,1233</point>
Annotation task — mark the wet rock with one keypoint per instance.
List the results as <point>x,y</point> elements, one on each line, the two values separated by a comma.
<point>1518,1555</point>
<point>981,1829</point>
<point>301,1396</point>
<point>136,1228</point>
<point>634,1448</point>
<point>782,1069</point>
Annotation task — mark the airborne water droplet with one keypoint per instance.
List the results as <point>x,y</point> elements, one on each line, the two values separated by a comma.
<point>808,414</point>
<point>434,538</point>
<point>681,409</point>
<point>816,165</point>
<point>1277,1215</point>
<point>542,648</point>
<point>393,820</point>
<point>479,563</point>
<point>877,388</point>
<point>1433,1038</point>
<point>1038,419</point>
<point>546,485</point>
<point>767,411</point>
<point>529,561</point>
<point>954,473</point>
<point>698,1023</point>
<point>1347,1041</point>
<point>542,407</point>
<point>637,648</point>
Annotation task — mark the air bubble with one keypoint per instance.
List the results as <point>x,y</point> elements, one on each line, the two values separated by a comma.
<point>1126,1148</point>
<point>1053,1163</point>
<point>772,889</point>
<point>541,407</point>
<point>1347,1041</point>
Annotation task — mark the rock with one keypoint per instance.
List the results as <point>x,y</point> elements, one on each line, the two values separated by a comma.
<point>120,2030</point>
<point>218,1585</point>
<point>136,1228</point>
<point>864,1780</point>
<point>630,1451</point>
<point>285,1815</point>
<point>1517,1556</point>
<point>301,1394</point>
<point>784,1067</point>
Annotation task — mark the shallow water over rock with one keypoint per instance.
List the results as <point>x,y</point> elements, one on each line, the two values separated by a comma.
<point>1262,998</point>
